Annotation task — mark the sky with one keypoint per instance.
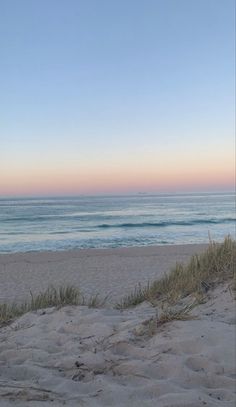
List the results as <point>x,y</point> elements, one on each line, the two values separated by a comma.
<point>116,96</point>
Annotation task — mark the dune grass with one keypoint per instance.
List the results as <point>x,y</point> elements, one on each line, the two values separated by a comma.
<point>217,264</point>
<point>184,283</point>
<point>150,326</point>
<point>52,297</point>
<point>171,314</point>
<point>137,296</point>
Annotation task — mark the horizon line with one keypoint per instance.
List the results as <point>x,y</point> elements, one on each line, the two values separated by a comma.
<point>140,194</point>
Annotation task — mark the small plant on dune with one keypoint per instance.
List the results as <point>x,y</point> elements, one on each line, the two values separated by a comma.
<point>136,297</point>
<point>150,327</point>
<point>170,314</point>
<point>95,301</point>
<point>9,312</point>
<point>167,314</point>
<point>52,297</point>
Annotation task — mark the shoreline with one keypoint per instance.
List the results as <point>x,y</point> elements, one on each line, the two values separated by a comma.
<point>112,272</point>
<point>107,248</point>
<point>102,249</point>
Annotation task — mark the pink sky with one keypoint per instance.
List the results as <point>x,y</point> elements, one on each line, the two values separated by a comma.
<point>143,172</point>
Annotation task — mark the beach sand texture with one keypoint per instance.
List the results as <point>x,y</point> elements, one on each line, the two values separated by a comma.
<point>107,272</point>
<point>78,356</point>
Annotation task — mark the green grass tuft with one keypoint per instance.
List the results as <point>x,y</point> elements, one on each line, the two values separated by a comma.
<point>55,297</point>
<point>136,297</point>
<point>52,297</point>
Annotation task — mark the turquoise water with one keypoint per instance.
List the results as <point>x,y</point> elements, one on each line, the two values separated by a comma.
<point>35,224</point>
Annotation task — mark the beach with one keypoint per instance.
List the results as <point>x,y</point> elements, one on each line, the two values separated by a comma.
<point>106,272</point>
<point>81,356</point>
<point>117,204</point>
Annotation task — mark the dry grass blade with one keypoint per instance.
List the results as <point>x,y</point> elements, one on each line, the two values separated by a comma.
<point>169,315</point>
<point>136,297</point>
<point>95,301</point>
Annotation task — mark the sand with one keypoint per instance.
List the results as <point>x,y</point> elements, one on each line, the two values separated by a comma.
<point>78,356</point>
<point>108,272</point>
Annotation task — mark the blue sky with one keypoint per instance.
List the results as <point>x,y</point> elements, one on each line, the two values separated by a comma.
<point>97,81</point>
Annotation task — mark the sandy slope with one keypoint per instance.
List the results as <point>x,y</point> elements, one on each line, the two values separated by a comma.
<point>77,356</point>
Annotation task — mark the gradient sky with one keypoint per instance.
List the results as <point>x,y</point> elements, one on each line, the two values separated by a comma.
<point>116,96</point>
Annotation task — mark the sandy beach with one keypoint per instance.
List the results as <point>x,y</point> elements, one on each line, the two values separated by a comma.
<point>78,356</point>
<point>107,272</point>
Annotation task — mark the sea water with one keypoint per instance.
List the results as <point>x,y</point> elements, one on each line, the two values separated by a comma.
<point>62,223</point>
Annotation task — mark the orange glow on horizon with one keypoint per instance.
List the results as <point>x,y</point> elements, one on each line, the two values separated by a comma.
<point>143,172</point>
<point>38,184</point>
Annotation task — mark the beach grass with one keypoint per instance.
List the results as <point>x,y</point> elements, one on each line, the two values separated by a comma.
<point>150,326</point>
<point>171,314</point>
<point>52,297</point>
<point>137,296</point>
<point>217,264</point>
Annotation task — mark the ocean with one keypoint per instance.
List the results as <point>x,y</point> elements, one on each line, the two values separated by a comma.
<point>37,224</point>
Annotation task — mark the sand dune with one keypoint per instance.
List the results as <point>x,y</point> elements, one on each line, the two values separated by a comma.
<point>79,356</point>
<point>76,356</point>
